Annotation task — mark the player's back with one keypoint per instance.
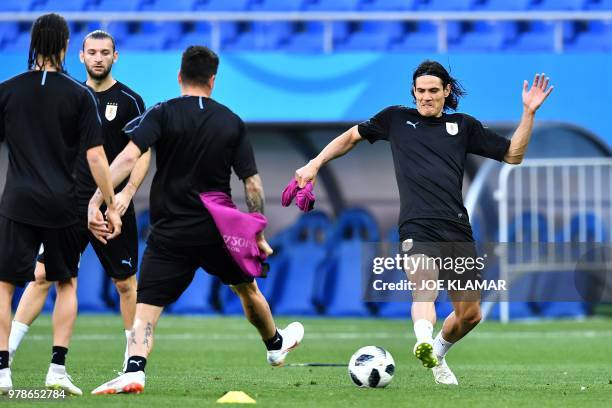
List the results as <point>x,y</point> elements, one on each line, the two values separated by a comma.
<point>44,116</point>
<point>197,141</point>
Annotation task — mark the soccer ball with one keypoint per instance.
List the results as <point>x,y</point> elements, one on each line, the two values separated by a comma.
<point>372,367</point>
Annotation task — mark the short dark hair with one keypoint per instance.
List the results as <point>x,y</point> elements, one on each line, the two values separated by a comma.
<point>198,65</point>
<point>436,69</point>
<point>48,38</point>
<point>98,35</point>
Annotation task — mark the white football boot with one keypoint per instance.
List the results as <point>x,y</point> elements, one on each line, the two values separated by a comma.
<point>58,379</point>
<point>126,383</point>
<point>6,382</point>
<point>292,336</point>
<point>443,374</point>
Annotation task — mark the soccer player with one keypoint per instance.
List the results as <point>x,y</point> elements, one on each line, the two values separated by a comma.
<point>118,105</point>
<point>46,117</point>
<point>198,141</point>
<point>429,148</point>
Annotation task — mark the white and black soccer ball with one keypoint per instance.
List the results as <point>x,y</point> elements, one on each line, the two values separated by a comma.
<point>371,367</point>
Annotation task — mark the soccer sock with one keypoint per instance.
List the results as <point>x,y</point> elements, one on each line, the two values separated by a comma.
<point>135,364</point>
<point>4,357</point>
<point>274,343</point>
<point>58,355</point>
<point>18,331</point>
<point>423,329</point>
<point>441,346</point>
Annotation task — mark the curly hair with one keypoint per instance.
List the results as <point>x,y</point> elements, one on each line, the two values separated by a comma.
<point>48,38</point>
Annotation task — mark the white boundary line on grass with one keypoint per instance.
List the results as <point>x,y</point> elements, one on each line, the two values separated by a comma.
<point>342,336</point>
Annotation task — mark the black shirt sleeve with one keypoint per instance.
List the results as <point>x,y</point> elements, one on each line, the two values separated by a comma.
<point>485,142</point>
<point>377,128</point>
<point>145,130</point>
<point>244,160</point>
<point>90,124</point>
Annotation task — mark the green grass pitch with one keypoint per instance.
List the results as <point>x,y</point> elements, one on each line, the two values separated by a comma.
<point>196,360</point>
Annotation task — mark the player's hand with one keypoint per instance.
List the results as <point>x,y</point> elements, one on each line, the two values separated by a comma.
<point>96,223</point>
<point>534,98</point>
<point>122,202</point>
<point>263,244</point>
<point>114,222</point>
<point>307,173</point>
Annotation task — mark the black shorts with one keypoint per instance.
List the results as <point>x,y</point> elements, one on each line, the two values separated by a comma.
<point>451,243</point>
<point>166,271</point>
<point>119,256</point>
<point>21,243</point>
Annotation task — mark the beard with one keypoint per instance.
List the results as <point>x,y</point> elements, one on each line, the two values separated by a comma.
<point>98,76</point>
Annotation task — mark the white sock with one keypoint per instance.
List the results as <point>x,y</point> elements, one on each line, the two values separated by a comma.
<point>126,354</point>
<point>423,329</point>
<point>18,331</point>
<point>441,346</point>
<point>57,369</point>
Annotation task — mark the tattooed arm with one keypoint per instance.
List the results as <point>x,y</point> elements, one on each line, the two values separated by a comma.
<point>253,189</point>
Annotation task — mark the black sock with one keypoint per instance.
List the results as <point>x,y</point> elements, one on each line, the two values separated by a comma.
<point>4,357</point>
<point>58,355</point>
<point>275,343</point>
<point>136,363</point>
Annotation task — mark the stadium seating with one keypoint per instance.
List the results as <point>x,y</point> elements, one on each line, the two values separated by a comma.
<point>280,5</point>
<point>170,5</point>
<point>389,5</point>
<point>15,5</point>
<point>116,5</point>
<point>59,5</point>
<point>224,5</point>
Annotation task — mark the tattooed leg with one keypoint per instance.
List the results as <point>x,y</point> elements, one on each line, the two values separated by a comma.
<point>141,337</point>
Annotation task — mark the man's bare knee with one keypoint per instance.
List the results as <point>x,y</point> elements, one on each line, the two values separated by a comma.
<point>470,316</point>
<point>124,286</point>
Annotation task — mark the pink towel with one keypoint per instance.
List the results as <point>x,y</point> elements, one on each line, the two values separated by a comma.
<point>304,197</point>
<point>239,231</point>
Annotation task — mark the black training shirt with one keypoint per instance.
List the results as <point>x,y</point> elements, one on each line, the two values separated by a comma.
<point>429,157</point>
<point>197,142</point>
<point>45,118</point>
<point>117,105</point>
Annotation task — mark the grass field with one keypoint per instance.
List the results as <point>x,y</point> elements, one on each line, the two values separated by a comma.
<point>196,360</point>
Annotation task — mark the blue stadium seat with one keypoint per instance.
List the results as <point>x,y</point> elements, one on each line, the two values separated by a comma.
<point>224,5</point>
<point>537,36</point>
<point>336,5</point>
<point>90,287</point>
<point>280,5</point>
<point>308,37</point>
<point>153,36</point>
<point>443,5</point>
<point>425,37</point>
<point>394,309</point>
<point>600,5</point>
<point>567,285</point>
<point>261,36</point>
<point>200,35</point>
<point>9,31</point>
<point>117,5</point>
<point>389,5</point>
<point>16,5</point>
<point>598,37</point>
<point>60,5</point>
<point>486,36</point>
<point>170,5</point>
<point>20,44</point>
<point>340,291</point>
<point>504,5</point>
<point>305,254</point>
<point>560,5</point>
<point>373,36</point>
<point>198,296</point>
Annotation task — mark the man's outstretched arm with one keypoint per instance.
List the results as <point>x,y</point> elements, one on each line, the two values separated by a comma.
<point>532,100</point>
<point>336,148</point>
